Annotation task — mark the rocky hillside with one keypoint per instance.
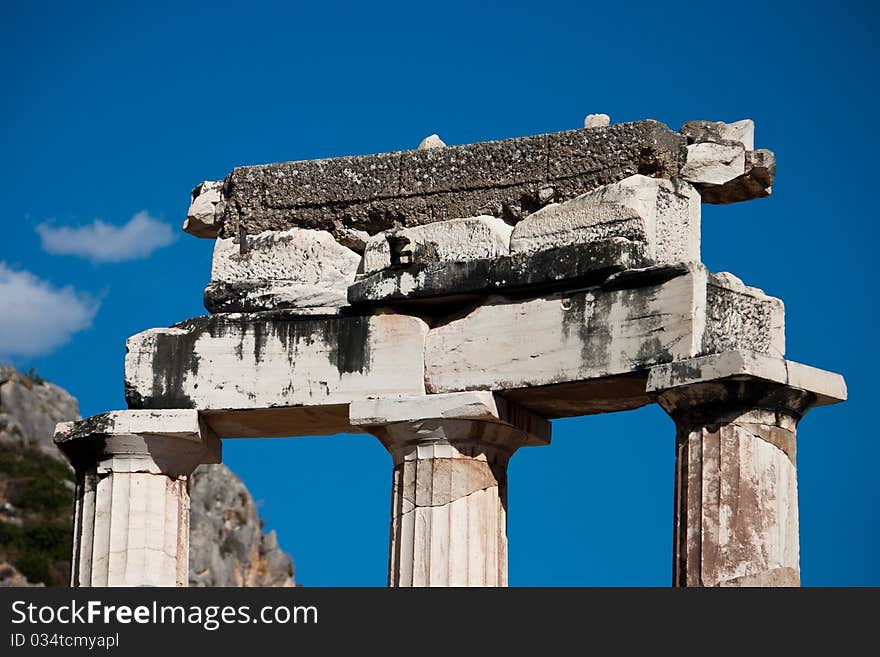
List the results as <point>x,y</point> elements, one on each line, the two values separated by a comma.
<point>227,544</point>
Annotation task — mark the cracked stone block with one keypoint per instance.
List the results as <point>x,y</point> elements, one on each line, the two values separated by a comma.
<point>259,296</point>
<point>663,214</point>
<point>265,361</point>
<point>296,268</point>
<point>717,131</point>
<point>712,168</point>
<point>625,325</point>
<point>455,240</point>
<point>756,182</point>
<point>202,219</point>
<point>738,315</point>
<point>714,163</point>
<point>563,337</point>
<point>549,268</point>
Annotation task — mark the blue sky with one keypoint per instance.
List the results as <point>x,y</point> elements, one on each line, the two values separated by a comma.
<point>113,112</point>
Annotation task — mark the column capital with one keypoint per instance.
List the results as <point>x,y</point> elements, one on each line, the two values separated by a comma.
<point>169,442</point>
<point>711,387</point>
<point>403,422</point>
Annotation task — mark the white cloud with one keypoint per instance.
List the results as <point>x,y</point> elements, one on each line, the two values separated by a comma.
<point>36,317</point>
<point>101,242</point>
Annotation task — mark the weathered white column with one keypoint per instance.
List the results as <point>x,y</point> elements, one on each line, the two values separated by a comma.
<point>449,496</point>
<point>131,521</point>
<point>736,509</point>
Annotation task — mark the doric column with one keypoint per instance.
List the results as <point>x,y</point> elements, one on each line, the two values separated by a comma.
<point>736,509</point>
<point>449,495</point>
<point>131,521</point>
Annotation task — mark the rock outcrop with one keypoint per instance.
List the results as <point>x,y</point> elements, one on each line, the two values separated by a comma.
<point>30,408</point>
<point>36,485</point>
<point>227,544</point>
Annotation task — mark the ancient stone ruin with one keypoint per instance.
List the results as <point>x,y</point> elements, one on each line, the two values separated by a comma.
<point>451,301</point>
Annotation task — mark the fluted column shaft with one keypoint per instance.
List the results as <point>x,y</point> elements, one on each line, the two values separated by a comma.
<point>736,507</point>
<point>736,502</point>
<point>449,513</point>
<point>736,510</point>
<point>449,495</point>
<point>132,529</point>
<point>131,521</point>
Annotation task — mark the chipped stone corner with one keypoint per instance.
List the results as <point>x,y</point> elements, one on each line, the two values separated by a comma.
<point>723,163</point>
<point>205,214</point>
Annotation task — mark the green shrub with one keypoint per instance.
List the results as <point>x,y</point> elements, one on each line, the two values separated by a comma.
<point>42,494</point>
<point>36,378</point>
<point>35,567</point>
<point>35,485</point>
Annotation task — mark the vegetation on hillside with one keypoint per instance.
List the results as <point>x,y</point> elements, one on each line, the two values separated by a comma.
<point>36,501</point>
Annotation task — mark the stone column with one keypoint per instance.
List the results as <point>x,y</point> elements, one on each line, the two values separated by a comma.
<point>736,509</point>
<point>449,494</point>
<point>131,521</point>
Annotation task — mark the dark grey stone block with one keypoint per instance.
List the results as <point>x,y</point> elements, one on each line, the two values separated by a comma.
<point>508,178</point>
<point>559,267</point>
